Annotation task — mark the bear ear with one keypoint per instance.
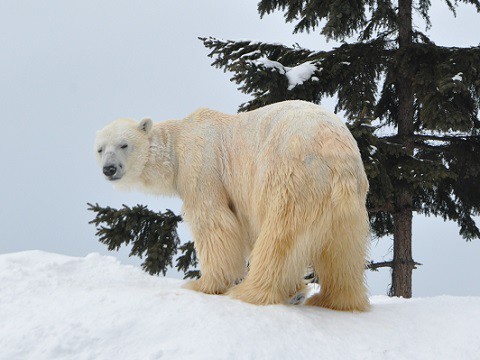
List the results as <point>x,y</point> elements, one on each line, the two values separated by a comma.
<point>145,125</point>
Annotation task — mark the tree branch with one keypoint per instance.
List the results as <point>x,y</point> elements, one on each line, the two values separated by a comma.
<point>374,266</point>
<point>432,137</point>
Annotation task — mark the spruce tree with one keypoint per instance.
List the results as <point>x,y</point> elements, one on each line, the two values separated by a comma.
<point>152,235</point>
<point>411,105</point>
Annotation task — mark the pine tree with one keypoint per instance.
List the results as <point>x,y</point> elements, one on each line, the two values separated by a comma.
<point>411,105</point>
<point>152,235</point>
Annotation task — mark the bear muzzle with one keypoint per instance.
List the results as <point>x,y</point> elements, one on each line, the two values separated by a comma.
<point>109,170</point>
<point>112,172</point>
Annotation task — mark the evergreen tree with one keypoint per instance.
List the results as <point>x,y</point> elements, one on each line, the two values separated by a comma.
<point>152,235</point>
<point>392,77</point>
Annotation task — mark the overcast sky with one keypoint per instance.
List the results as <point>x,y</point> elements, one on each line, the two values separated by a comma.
<point>67,68</point>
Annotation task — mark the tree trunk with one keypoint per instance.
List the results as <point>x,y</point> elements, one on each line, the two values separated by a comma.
<point>402,236</point>
<point>403,263</point>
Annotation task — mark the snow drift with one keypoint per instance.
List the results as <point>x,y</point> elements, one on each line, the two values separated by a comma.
<point>59,307</point>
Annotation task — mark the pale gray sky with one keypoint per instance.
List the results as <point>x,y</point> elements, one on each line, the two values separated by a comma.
<point>69,67</point>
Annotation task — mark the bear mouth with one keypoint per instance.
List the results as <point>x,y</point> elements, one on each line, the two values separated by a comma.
<point>113,178</point>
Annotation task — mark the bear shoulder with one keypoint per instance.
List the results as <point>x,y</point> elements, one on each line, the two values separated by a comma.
<point>204,115</point>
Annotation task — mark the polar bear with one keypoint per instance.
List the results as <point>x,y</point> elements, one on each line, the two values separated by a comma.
<point>280,188</point>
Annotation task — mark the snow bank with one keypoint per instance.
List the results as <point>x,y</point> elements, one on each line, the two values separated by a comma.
<point>59,307</point>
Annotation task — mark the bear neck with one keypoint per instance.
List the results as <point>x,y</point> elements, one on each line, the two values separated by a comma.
<point>160,172</point>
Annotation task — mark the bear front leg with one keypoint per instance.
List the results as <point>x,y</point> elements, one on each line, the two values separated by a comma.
<point>220,249</point>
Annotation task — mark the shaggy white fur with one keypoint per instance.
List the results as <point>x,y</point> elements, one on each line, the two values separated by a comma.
<point>282,187</point>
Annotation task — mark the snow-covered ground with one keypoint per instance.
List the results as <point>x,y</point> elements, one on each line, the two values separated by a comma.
<point>59,307</point>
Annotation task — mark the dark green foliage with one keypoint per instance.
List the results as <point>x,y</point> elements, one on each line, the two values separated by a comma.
<point>342,19</point>
<point>338,19</point>
<point>350,71</point>
<point>152,235</point>
<point>188,259</point>
<point>456,196</point>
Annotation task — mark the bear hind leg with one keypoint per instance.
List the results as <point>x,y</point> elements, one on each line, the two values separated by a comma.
<point>340,262</point>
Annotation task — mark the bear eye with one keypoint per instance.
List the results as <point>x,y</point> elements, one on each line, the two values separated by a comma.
<point>100,150</point>
<point>124,146</point>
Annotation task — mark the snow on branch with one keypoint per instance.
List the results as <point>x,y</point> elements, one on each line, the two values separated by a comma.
<point>300,73</point>
<point>296,75</point>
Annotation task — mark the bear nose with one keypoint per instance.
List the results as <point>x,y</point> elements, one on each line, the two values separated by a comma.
<point>109,170</point>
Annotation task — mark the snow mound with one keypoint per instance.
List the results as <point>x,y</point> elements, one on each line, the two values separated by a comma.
<point>59,307</point>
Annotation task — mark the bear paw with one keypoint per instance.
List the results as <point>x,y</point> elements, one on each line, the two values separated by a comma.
<point>339,303</point>
<point>255,296</point>
<point>205,286</point>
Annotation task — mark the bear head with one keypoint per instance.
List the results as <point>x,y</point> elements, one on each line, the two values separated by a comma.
<point>122,150</point>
